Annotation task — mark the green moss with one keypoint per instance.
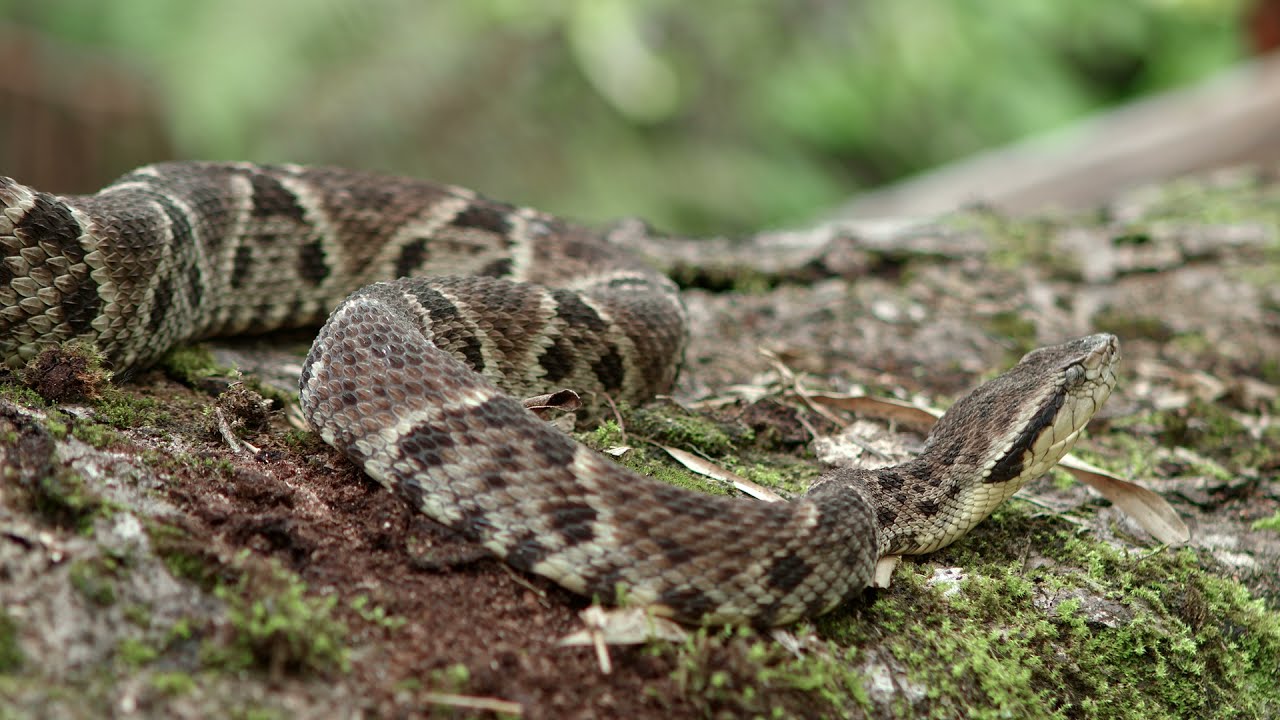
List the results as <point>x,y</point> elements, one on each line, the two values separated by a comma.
<point>99,436</point>
<point>94,578</point>
<point>1216,432</point>
<point>194,366</point>
<point>733,672</point>
<point>451,678</point>
<point>1098,632</point>
<point>648,460</point>
<point>11,657</point>
<point>139,615</point>
<point>189,364</point>
<point>658,465</point>
<point>375,614</point>
<point>56,428</point>
<point>1271,523</point>
<point>301,440</point>
<point>135,652</point>
<point>185,556</point>
<point>786,474</point>
<point>1269,370</point>
<point>21,395</point>
<point>61,498</point>
<point>279,627</point>
<point>673,425</point>
<point>173,683</point>
<point>703,436</point>
<point>723,278</point>
<point>180,631</point>
<point>607,435</point>
<point>127,410</point>
<point>1016,242</point>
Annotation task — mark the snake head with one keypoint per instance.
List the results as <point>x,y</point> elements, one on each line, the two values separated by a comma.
<point>1007,431</point>
<point>1057,389</point>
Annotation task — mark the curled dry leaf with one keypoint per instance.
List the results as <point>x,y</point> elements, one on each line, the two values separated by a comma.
<point>558,401</point>
<point>1148,509</point>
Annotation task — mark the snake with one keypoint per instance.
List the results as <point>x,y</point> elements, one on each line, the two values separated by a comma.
<point>440,310</point>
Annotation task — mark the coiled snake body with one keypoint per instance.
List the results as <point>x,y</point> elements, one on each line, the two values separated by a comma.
<point>413,379</point>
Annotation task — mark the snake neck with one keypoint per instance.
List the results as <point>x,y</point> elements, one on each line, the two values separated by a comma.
<point>923,505</point>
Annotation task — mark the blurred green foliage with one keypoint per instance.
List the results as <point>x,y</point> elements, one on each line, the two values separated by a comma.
<point>716,116</point>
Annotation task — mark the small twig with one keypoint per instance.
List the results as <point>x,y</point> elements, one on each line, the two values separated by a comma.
<point>537,591</point>
<point>224,429</point>
<point>617,416</point>
<point>798,387</point>
<point>595,619</point>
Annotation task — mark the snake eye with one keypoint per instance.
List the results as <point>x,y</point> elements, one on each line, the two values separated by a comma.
<point>1074,375</point>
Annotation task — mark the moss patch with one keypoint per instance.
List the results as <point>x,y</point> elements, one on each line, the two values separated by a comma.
<point>1271,523</point>
<point>733,672</point>
<point>10,652</point>
<point>1105,633</point>
<point>62,498</point>
<point>280,628</point>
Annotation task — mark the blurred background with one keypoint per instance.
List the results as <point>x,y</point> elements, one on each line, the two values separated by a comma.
<point>721,117</point>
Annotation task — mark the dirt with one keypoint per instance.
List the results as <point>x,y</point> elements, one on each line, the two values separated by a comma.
<point>136,544</point>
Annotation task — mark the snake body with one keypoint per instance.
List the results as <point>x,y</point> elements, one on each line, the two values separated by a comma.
<point>415,379</point>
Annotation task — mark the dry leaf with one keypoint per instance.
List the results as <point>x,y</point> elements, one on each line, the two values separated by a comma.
<point>715,472</point>
<point>884,408</point>
<point>628,626</point>
<point>558,401</point>
<point>473,702</point>
<point>885,566</point>
<point>1148,509</point>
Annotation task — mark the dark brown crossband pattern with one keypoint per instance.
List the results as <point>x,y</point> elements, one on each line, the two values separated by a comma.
<point>414,379</point>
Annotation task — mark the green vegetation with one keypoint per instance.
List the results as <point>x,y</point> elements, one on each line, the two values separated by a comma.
<point>94,578</point>
<point>10,653</point>
<point>1216,432</point>
<point>733,672</point>
<point>136,652</point>
<point>1128,635</point>
<point>173,683</point>
<point>704,117</point>
<point>1271,523</point>
<point>127,410</point>
<point>280,628</point>
<point>189,364</point>
<point>676,426</point>
<point>61,498</point>
<point>375,614</point>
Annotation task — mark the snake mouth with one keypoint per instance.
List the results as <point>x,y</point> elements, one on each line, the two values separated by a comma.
<point>1105,352</point>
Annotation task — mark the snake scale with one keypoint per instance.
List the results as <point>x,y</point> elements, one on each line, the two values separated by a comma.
<point>415,379</point>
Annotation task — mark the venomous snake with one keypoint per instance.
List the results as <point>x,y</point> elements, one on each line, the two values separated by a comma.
<point>415,379</point>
